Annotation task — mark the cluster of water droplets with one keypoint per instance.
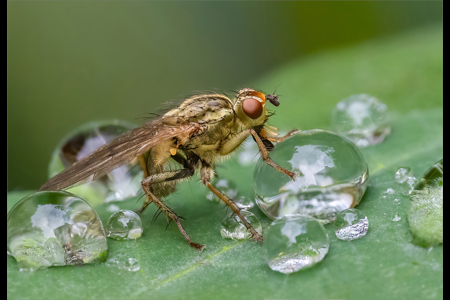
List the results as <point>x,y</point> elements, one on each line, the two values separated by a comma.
<point>119,184</point>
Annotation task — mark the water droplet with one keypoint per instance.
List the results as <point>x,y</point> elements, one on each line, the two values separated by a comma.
<point>124,225</point>
<point>295,242</point>
<point>332,176</point>
<point>351,224</point>
<point>54,229</point>
<point>426,211</point>
<point>227,187</point>
<point>119,184</point>
<point>233,228</point>
<point>362,119</point>
<point>396,218</point>
<point>406,177</point>
<point>397,201</point>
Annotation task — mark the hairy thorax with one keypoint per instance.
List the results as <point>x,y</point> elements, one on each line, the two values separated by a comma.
<point>217,124</point>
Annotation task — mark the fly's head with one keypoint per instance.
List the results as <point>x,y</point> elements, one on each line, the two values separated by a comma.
<point>250,106</point>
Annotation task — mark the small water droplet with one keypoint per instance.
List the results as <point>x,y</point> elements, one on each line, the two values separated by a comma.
<point>124,225</point>
<point>397,201</point>
<point>362,118</point>
<point>54,229</point>
<point>233,228</point>
<point>426,211</point>
<point>396,218</point>
<point>351,224</point>
<point>295,242</point>
<point>332,176</point>
<point>119,184</point>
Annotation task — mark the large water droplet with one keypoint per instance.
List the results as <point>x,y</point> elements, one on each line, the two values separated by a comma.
<point>233,228</point>
<point>124,225</point>
<point>54,229</point>
<point>426,212</point>
<point>332,176</point>
<point>351,224</point>
<point>121,183</point>
<point>295,242</point>
<point>362,119</point>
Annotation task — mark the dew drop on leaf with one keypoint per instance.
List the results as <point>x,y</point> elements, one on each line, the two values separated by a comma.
<point>351,224</point>
<point>54,228</point>
<point>332,176</point>
<point>295,242</point>
<point>124,225</point>
<point>362,119</point>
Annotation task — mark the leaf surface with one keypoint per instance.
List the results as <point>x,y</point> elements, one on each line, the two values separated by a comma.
<point>405,72</point>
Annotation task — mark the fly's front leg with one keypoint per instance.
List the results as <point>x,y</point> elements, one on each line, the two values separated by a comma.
<point>233,143</point>
<point>163,177</point>
<point>265,156</point>
<point>206,174</point>
<point>282,138</point>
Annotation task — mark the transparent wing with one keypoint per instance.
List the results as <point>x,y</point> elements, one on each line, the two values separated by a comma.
<point>117,152</point>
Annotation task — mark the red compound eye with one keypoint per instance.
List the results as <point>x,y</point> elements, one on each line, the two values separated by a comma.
<point>252,108</point>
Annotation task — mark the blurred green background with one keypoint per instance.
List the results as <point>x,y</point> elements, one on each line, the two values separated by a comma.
<point>72,62</point>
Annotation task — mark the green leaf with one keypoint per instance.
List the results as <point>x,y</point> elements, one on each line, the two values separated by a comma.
<point>405,72</point>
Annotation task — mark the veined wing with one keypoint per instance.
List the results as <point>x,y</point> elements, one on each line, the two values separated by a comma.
<point>117,152</point>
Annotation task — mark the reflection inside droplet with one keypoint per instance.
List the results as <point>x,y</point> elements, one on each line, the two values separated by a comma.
<point>332,176</point>
<point>54,229</point>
